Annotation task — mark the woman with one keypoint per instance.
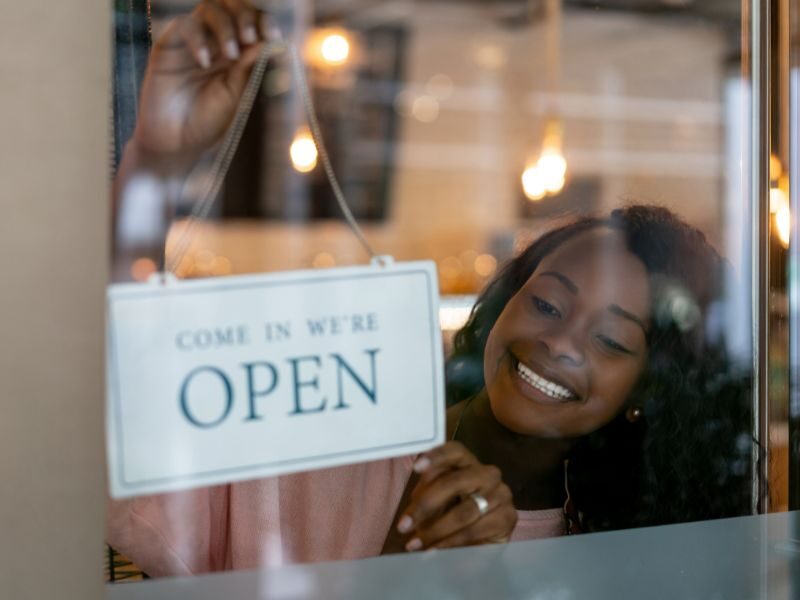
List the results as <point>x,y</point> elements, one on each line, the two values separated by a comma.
<point>586,395</point>
<point>591,357</point>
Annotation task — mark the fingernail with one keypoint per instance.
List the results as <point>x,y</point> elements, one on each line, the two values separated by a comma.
<point>250,36</point>
<point>204,56</point>
<point>414,544</point>
<point>232,49</point>
<point>405,524</point>
<point>422,464</point>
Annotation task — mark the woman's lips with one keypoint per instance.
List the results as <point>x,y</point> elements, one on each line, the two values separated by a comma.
<point>551,390</point>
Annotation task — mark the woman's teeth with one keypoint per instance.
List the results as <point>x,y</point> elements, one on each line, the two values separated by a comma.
<point>543,385</point>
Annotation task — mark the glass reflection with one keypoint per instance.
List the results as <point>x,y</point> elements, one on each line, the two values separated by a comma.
<point>600,381</point>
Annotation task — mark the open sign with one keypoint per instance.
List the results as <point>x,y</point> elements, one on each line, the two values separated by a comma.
<point>220,380</point>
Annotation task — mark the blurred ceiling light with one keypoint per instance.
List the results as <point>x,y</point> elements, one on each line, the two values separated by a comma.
<point>303,151</point>
<point>425,109</point>
<point>552,169</point>
<point>485,265</point>
<point>547,174</point>
<point>533,183</point>
<point>490,56</point>
<point>783,224</point>
<point>330,48</point>
<point>335,49</point>
<point>779,206</point>
<point>555,185</point>
<point>775,167</point>
<point>777,200</point>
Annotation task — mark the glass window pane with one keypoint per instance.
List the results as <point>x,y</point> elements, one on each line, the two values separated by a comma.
<point>578,172</point>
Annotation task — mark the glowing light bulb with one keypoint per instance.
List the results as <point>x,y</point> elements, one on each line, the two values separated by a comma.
<point>490,56</point>
<point>775,167</point>
<point>303,152</point>
<point>485,265</point>
<point>553,169</point>
<point>425,109</point>
<point>533,183</point>
<point>777,200</point>
<point>335,49</point>
<point>783,224</point>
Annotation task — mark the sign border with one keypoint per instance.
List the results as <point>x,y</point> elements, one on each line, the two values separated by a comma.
<point>137,291</point>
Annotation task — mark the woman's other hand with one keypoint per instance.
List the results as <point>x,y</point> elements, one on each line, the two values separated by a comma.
<point>197,72</point>
<point>443,514</point>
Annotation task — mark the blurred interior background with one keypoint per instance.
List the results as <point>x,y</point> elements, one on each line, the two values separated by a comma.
<point>462,129</point>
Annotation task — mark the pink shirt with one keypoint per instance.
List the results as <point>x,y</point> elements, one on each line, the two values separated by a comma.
<point>332,514</point>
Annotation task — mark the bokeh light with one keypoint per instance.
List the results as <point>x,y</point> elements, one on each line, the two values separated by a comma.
<point>533,184</point>
<point>490,56</point>
<point>485,265</point>
<point>552,169</point>
<point>783,225</point>
<point>777,200</point>
<point>303,152</point>
<point>335,49</point>
<point>425,109</point>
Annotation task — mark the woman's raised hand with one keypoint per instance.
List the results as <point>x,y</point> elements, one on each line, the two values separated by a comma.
<point>197,72</point>
<point>445,509</point>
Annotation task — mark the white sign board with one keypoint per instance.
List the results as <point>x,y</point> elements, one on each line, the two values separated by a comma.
<point>220,380</point>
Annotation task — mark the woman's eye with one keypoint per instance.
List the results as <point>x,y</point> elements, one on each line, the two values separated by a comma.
<point>613,345</point>
<point>545,307</point>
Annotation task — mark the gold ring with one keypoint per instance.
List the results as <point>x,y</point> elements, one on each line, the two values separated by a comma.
<point>481,502</point>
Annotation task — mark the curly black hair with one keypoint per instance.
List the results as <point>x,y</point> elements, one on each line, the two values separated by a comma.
<point>690,455</point>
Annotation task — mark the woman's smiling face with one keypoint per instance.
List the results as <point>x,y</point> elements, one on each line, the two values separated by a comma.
<point>565,353</point>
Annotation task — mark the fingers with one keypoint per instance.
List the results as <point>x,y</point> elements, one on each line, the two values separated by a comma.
<point>246,18</point>
<point>444,495</point>
<point>222,26</point>
<point>192,33</point>
<point>239,73</point>
<point>218,28</point>
<point>465,519</point>
<point>494,527</point>
<point>441,513</point>
<point>433,463</point>
<point>231,26</point>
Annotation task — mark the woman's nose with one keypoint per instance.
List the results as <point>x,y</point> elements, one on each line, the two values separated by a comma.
<point>563,347</point>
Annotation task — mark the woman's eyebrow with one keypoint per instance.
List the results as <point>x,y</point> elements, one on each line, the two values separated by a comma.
<point>563,279</point>
<point>621,312</point>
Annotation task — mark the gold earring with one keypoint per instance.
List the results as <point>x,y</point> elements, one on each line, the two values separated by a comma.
<point>633,414</point>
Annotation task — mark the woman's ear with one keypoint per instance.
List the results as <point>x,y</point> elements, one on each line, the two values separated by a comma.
<point>633,414</point>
